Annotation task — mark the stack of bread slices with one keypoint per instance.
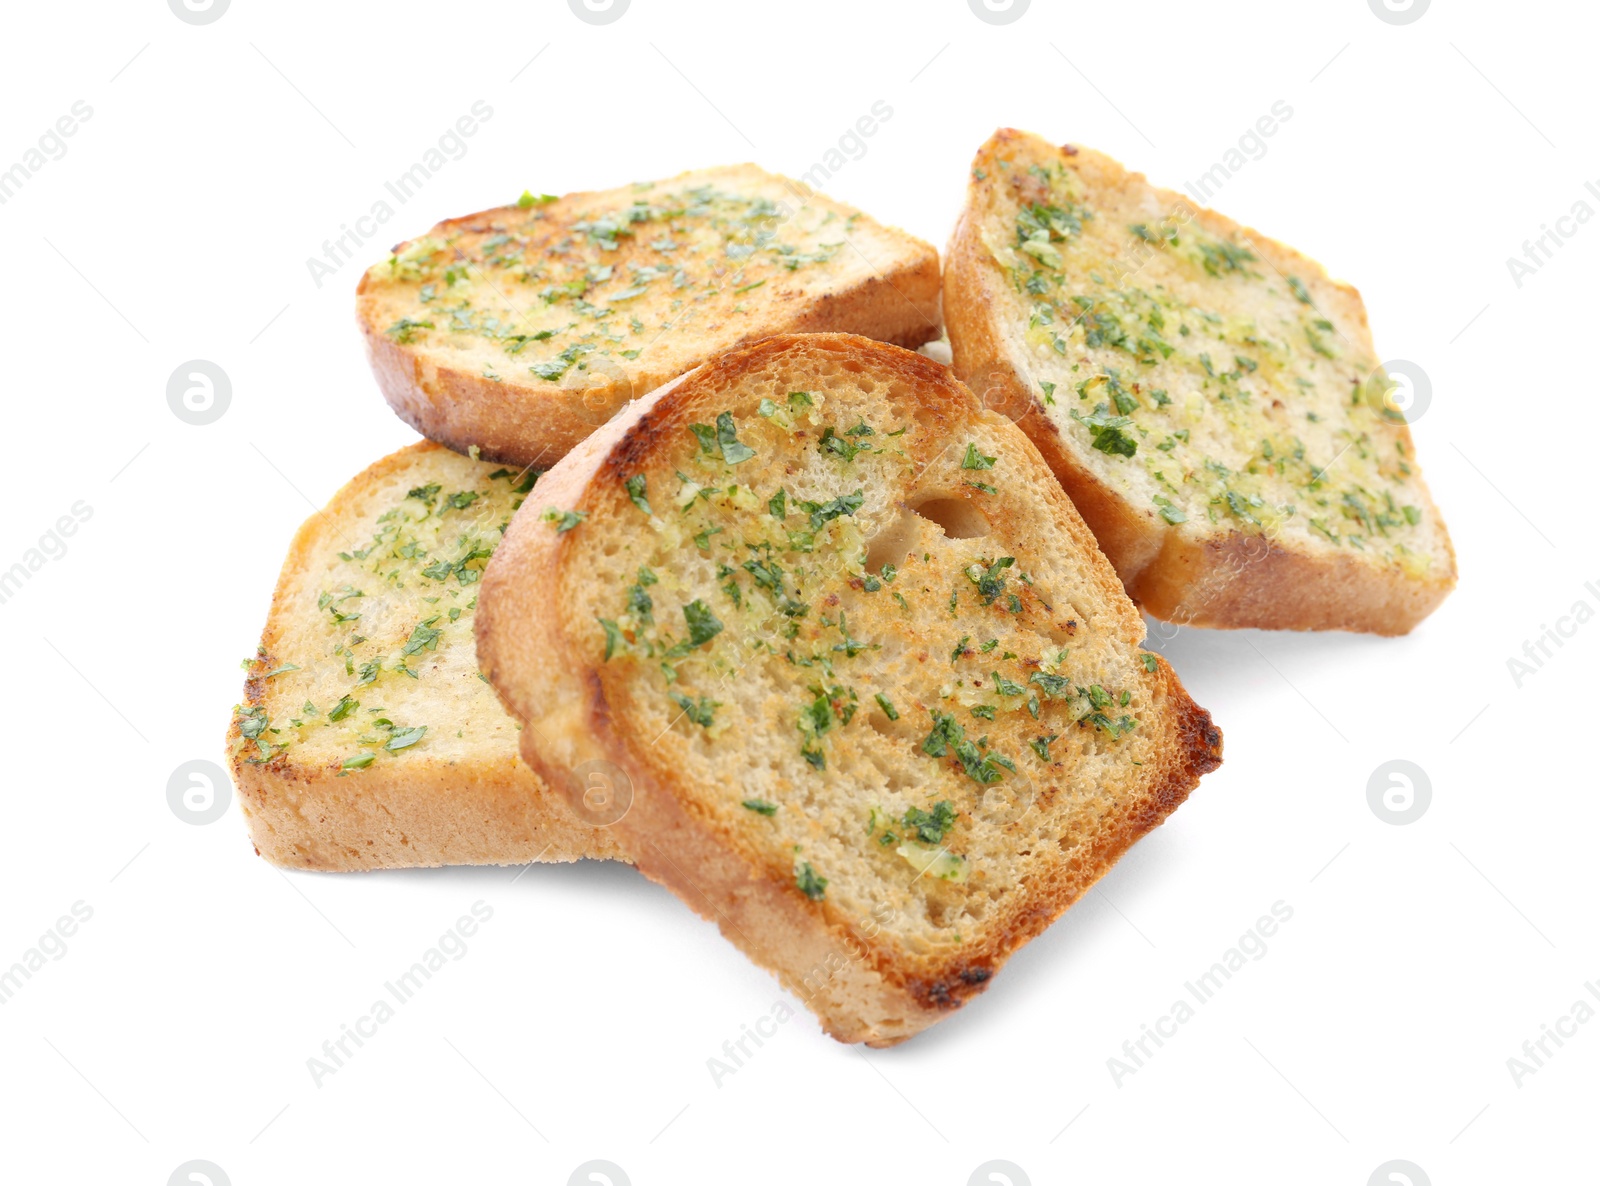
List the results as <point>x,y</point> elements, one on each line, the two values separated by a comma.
<point>705,568</point>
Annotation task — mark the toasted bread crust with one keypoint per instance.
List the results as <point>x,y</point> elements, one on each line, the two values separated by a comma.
<point>488,809</point>
<point>1229,580</point>
<point>516,419</point>
<point>862,987</point>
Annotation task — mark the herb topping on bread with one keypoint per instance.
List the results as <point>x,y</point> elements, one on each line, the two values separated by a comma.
<point>368,738</point>
<point>1210,399</point>
<point>520,330</point>
<point>880,699</point>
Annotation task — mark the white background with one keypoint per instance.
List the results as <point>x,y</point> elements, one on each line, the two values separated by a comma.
<point>1378,1025</point>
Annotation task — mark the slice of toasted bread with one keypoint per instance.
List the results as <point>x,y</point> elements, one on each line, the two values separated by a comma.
<point>368,739</point>
<point>520,330</point>
<point>1209,398</point>
<point>877,697</point>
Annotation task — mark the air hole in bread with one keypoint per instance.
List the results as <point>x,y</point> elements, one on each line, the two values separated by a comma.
<point>893,542</point>
<point>956,517</point>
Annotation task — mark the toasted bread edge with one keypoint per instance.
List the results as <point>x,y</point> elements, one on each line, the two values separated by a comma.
<point>859,990</point>
<point>1236,581</point>
<point>522,424</point>
<point>425,813</point>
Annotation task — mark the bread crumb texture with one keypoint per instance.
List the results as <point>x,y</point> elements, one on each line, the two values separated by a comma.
<point>849,616</point>
<point>1215,383</point>
<point>577,304</point>
<point>367,736</point>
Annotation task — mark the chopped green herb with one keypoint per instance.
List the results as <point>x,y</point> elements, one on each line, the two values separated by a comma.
<point>1053,686</point>
<point>404,330</point>
<point>635,486</point>
<point>824,512</point>
<point>423,635</point>
<point>932,826</point>
<point>641,605</point>
<point>947,734</point>
<point>991,581</point>
<point>832,442</point>
<point>1105,431</point>
<point>707,436</point>
<point>975,459</point>
<point>807,881</point>
<point>733,450</point>
<point>703,624</point>
<point>403,738</point>
<point>1006,687</point>
<point>699,711</point>
<point>564,521</point>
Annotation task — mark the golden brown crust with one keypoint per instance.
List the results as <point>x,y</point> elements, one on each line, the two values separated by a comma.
<point>862,986</point>
<point>489,808</point>
<point>1234,582</point>
<point>532,422</point>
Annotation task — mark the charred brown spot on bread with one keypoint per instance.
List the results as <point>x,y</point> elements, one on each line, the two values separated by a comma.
<point>954,990</point>
<point>1202,739</point>
<point>630,454</point>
